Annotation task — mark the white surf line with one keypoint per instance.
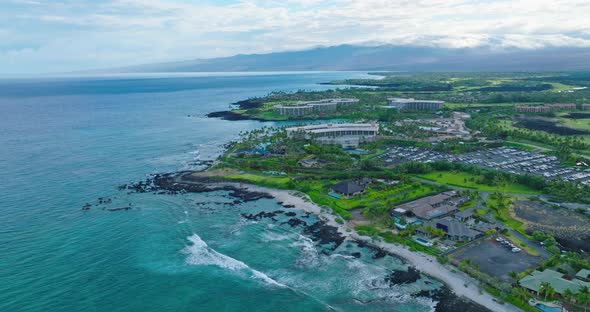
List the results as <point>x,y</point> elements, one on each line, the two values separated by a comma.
<point>460,283</point>
<point>201,254</point>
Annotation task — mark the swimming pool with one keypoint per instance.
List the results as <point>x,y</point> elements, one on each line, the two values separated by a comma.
<point>422,242</point>
<point>546,308</point>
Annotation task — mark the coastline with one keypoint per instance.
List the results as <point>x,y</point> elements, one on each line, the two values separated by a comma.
<point>460,284</point>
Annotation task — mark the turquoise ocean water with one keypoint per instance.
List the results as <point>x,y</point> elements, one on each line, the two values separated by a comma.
<point>68,141</point>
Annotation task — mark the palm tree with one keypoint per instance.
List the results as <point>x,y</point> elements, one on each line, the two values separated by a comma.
<point>583,297</point>
<point>568,295</point>
<point>513,275</point>
<point>547,290</point>
<point>521,293</point>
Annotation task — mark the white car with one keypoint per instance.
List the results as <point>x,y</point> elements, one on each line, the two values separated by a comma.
<point>515,249</point>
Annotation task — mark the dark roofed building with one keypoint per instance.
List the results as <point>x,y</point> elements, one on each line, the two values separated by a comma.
<point>484,227</point>
<point>584,275</point>
<point>348,188</point>
<point>559,281</point>
<point>464,215</point>
<point>454,230</point>
<point>435,206</point>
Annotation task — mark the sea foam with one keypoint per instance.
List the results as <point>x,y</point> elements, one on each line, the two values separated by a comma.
<point>201,254</point>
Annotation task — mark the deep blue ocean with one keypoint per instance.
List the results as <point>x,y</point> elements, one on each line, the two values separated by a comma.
<point>66,141</point>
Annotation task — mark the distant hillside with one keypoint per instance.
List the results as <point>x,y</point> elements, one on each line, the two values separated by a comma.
<point>387,57</point>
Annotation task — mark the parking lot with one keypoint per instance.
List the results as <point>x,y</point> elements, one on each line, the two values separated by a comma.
<point>502,158</point>
<point>495,259</point>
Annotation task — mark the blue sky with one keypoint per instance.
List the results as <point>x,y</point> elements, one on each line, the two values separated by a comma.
<point>39,36</point>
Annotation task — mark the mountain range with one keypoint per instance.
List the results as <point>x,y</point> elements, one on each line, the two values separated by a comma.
<point>387,58</point>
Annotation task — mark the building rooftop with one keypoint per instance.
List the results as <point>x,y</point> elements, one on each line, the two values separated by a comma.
<point>484,227</point>
<point>468,213</point>
<point>453,228</point>
<point>410,100</point>
<point>558,281</point>
<point>432,206</point>
<point>585,274</point>
<point>348,187</point>
<point>336,126</point>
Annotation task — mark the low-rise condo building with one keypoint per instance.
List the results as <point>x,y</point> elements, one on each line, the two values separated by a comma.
<point>345,134</point>
<point>434,206</point>
<point>314,107</point>
<point>546,108</point>
<point>559,282</point>
<point>413,104</point>
<point>453,229</point>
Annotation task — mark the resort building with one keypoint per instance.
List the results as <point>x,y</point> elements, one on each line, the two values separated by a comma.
<point>559,281</point>
<point>546,108</point>
<point>454,230</point>
<point>464,215</point>
<point>533,109</point>
<point>435,206</point>
<point>314,107</point>
<point>351,188</point>
<point>345,134</point>
<point>413,104</point>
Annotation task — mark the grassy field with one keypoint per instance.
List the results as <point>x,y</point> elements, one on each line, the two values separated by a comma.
<point>582,124</point>
<point>560,87</point>
<point>462,179</point>
<point>379,197</point>
<point>277,182</point>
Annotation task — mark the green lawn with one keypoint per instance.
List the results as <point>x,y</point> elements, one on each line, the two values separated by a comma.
<point>462,179</point>
<point>380,198</point>
<point>581,124</point>
<point>560,86</point>
<point>277,182</point>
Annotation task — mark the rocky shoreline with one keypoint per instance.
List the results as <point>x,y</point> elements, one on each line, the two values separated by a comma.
<point>324,232</point>
<point>231,116</point>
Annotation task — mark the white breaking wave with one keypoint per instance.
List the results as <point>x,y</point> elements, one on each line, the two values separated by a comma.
<point>273,236</point>
<point>337,255</point>
<point>309,254</point>
<point>201,254</point>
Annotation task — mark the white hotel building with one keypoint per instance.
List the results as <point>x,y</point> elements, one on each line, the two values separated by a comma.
<point>313,107</point>
<point>345,134</point>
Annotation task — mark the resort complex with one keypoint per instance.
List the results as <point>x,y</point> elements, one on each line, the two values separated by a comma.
<point>345,134</point>
<point>471,182</point>
<point>314,107</point>
<point>413,104</point>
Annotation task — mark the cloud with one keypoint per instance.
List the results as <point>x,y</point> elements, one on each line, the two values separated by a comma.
<point>123,32</point>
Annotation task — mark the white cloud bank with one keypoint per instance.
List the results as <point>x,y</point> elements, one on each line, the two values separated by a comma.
<point>52,35</point>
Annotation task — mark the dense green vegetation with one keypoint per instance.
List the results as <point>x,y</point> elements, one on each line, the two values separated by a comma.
<point>477,182</point>
<point>461,88</point>
<point>490,98</point>
<point>497,180</point>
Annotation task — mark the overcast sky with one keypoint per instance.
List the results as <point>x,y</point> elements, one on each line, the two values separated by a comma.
<point>65,35</point>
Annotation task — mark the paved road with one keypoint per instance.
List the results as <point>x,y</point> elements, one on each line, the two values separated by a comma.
<point>535,245</point>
